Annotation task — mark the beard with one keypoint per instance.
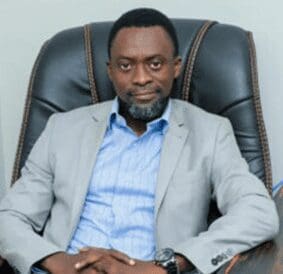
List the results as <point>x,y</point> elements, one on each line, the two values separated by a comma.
<point>147,111</point>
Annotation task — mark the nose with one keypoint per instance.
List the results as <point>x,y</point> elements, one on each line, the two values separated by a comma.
<point>141,75</point>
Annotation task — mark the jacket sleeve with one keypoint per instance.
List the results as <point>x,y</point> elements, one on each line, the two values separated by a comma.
<point>26,206</point>
<point>249,215</point>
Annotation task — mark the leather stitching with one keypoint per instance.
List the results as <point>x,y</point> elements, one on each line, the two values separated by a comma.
<point>16,168</point>
<point>192,57</point>
<point>89,61</point>
<point>259,115</point>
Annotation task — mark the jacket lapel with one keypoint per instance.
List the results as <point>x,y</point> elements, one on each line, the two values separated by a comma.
<point>89,147</point>
<point>172,147</point>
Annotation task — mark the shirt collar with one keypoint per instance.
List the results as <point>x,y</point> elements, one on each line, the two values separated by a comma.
<point>160,123</point>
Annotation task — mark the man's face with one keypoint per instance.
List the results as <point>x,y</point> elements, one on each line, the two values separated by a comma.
<point>142,69</point>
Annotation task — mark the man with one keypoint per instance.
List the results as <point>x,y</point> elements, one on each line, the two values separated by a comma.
<point>113,186</point>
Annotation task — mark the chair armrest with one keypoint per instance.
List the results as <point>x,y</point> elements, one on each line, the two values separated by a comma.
<point>266,258</point>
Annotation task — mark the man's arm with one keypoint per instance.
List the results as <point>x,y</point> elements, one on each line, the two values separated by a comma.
<point>249,213</point>
<point>25,208</point>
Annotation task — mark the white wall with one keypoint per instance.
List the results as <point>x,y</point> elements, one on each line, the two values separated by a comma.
<point>26,24</point>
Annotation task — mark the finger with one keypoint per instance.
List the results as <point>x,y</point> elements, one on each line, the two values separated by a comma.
<point>122,257</point>
<point>101,266</point>
<point>96,271</point>
<point>84,249</point>
<point>86,262</point>
<point>90,270</point>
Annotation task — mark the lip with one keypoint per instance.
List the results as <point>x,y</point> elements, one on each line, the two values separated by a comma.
<point>144,95</point>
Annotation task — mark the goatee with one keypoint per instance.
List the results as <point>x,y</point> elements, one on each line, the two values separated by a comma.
<point>145,112</point>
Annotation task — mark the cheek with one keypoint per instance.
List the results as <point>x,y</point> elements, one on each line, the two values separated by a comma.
<point>166,81</point>
<point>120,82</point>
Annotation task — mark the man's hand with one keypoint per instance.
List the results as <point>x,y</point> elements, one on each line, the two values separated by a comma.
<point>91,255</point>
<point>98,261</point>
<point>61,262</point>
<point>83,262</point>
<point>114,262</point>
<point>108,264</point>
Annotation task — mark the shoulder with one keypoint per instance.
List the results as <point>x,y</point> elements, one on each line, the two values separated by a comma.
<point>195,117</point>
<point>83,114</point>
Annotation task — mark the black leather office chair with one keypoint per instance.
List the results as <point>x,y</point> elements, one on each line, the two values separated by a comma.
<point>219,74</point>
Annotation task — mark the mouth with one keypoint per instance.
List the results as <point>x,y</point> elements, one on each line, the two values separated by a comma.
<point>144,95</point>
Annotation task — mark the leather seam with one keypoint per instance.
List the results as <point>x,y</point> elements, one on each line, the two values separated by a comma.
<point>16,171</point>
<point>192,57</point>
<point>90,66</point>
<point>232,263</point>
<point>259,114</point>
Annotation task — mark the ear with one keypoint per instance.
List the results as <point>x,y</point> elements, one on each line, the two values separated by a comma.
<point>177,66</point>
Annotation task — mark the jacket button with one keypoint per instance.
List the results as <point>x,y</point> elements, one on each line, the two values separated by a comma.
<point>214,261</point>
<point>219,258</point>
<point>229,252</point>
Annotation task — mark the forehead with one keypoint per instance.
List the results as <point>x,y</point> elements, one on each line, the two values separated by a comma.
<point>142,41</point>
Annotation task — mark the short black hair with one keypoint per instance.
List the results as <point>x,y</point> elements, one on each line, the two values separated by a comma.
<point>143,17</point>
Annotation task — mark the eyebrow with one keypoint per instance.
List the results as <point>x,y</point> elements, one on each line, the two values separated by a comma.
<point>147,58</point>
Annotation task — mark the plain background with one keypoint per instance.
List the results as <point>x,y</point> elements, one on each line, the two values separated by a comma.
<point>26,24</point>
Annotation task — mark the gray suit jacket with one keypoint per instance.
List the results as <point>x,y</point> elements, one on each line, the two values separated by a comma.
<point>199,160</point>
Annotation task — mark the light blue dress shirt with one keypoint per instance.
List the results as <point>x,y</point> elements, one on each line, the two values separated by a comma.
<point>118,212</point>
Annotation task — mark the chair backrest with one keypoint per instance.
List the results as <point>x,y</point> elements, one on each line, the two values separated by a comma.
<point>219,74</point>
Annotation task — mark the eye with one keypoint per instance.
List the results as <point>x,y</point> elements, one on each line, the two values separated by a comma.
<point>155,64</point>
<point>125,66</point>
